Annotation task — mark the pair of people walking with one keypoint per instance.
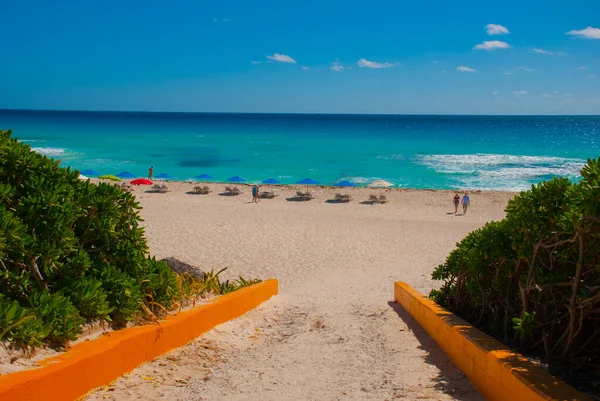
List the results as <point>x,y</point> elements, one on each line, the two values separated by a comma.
<point>465,202</point>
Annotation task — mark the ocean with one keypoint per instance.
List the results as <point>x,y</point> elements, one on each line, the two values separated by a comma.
<point>504,153</point>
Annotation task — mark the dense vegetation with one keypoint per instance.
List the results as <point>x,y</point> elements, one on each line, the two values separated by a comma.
<point>533,279</point>
<point>72,251</point>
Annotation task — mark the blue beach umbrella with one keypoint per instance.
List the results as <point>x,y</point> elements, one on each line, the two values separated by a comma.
<point>90,173</point>
<point>271,181</point>
<point>164,176</point>
<point>204,177</point>
<point>125,174</point>
<point>345,184</point>
<point>308,181</point>
<point>237,178</point>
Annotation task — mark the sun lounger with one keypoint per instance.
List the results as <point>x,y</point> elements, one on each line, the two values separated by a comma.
<point>308,196</point>
<point>228,189</point>
<point>235,191</point>
<point>162,188</point>
<point>382,199</point>
<point>342,198</point>
<point>373,199</point>
<point>267,195</point>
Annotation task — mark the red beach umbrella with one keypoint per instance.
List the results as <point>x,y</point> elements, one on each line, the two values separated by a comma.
<point>141,181</point>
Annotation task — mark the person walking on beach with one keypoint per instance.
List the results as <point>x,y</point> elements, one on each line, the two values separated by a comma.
<point>465,202</point>
<point>255,194</point>
<point>150,171</point>
<point>456,201</point>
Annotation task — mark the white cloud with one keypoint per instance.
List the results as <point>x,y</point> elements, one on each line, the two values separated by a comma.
<point>435,62</point>
<point>587,33</point>
<point>506,73</point>
<point>568,94</point>
<point>465,69</point>
<point>221,20</point>
<point>373,64</point>
<point>546,95</point>
<point>592,76</point>
<point>281,58</point>
<point>542,51</point>
<point>337,67</point>
<point>580,68</point>
<point>549,53</point>
<point>305,68</point>
<point>226,20</point>
<point>520,93</point>
<point>495,93</point>
<point>255,62</point>
<point>492,45</point>
<point>493,29</point>
<point>525,69</point>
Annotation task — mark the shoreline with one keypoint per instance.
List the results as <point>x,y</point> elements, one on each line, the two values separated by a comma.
<point>296,186</point>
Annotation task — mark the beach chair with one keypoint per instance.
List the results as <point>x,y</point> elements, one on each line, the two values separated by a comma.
<point>299,194</point>
<point>197,189</point>
<point>235,191</point>
<point>162,188</point>
<point>308,196</point>
<point>346,198</point>
<point>373,199</point>
<point>339,198</point>
<point>382,199</point>
<point>205,189</point>
<point>228,189</point>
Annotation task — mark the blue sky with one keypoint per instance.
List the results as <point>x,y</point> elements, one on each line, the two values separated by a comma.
<point>429,56</point>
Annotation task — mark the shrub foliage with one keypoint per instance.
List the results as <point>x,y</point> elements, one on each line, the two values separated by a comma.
<point>72,251</point>
<point>533,279</point>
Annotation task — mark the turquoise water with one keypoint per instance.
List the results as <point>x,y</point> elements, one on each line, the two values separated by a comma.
<point>438,152</point>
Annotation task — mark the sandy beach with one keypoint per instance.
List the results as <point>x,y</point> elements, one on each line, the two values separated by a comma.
<point>333,332</point>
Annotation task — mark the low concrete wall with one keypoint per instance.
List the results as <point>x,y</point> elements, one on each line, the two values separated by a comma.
<point>496,371</point>
<point>94,363</point>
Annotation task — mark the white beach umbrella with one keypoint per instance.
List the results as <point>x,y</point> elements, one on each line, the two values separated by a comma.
<point>83,177</point>
<point>380,184</point>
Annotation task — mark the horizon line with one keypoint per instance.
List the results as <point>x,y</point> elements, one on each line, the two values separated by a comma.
<point>293,113</point>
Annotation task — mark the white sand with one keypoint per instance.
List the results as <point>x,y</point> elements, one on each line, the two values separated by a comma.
<point>333,332</point>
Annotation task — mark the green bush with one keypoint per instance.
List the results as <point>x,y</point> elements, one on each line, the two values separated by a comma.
<point>533,279</point>
<point>72,251</point>
<point>69,251</point>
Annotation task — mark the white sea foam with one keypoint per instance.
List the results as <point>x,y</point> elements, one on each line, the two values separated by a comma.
<point>501,172</point>
<point>50,151</point>
<point>390,157</point>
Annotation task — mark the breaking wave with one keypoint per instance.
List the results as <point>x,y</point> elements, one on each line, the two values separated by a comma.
<point>501,172</point>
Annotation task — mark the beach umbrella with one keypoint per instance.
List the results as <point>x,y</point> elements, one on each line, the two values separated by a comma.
<point>83,177</point>
<point>271,181</point>
<point>90,173</point>
<point>163,176</point>
<point>141,181</point>
<point>125,174</point>
<point>380,184</point>
<point>237,178</point>
<point>204,177</point>
<point>345,184</point>
<point>109,177</point>
<point>307,182</point>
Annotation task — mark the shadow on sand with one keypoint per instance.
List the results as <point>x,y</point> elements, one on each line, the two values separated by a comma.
<point>450,380</point>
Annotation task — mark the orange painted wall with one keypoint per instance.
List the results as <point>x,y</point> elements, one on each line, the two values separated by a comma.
<point>496,371</point>
<point>98,362</point>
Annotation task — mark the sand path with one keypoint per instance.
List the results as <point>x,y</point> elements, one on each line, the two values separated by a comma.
<point>333,332</point>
